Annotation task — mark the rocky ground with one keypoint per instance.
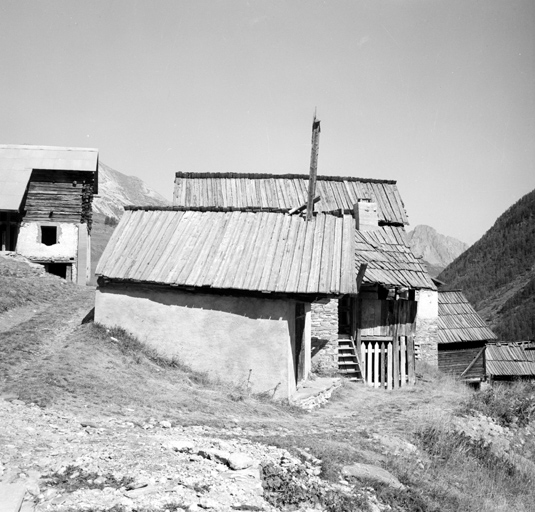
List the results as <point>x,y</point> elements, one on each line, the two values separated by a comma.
<point>70,463</point>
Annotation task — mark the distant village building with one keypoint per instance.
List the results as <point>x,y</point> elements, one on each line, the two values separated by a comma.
<point>511,361</point>
<point>46,195</point>
<point>462,337</point>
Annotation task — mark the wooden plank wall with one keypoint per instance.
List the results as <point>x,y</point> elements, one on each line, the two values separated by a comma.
<point>387,317</point>
<point>454,358</point>
<point>58,196</point>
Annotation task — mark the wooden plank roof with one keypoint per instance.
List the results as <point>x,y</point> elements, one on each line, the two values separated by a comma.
<point>458,321</point>
<point>17,162</point>
<point>514,359</point>
<point>263,251</point>
<point>390,259</point>
<point>287,191</point>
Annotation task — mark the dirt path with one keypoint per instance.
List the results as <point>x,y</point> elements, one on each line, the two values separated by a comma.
<point>16,316</point>
<point>31,333</point>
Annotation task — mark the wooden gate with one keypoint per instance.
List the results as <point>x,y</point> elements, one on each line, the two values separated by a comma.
<point>387,362</point>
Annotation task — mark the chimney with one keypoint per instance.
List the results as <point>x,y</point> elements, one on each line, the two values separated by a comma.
<point>366,217</point>
<point>313,167</point>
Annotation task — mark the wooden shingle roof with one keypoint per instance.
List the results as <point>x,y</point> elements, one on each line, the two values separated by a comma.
<point>510,359</point>
<point>256,251</point>
<point>389,258</point>
<point>286,192</point>
<point>458,321</point>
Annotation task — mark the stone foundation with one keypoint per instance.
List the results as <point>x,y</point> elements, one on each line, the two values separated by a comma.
<point>325,337</point>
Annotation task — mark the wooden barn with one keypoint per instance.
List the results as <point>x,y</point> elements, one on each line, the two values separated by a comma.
<point>511,361</point>
<point>462,337</point>
<point>397,311</point>
<point>46,196</point>
<point>228,292</point>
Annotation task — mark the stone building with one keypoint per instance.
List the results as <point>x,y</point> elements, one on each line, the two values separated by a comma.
<point>398,303</point>
<point>46,196</point>
<point>227,292</point>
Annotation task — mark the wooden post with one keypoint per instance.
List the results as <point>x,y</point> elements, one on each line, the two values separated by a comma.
<point>403,354</point>
<point>390,373</point>
<point>313,166</point>
<point>395,350</point>
<point>376,377</point>
<point>369,367</point>
<point>383,364</point>
<point>410,357</point>
<point>363,370</point>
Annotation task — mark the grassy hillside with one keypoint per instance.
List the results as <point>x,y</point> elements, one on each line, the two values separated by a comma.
<point>497,273</point>
<point>424,435</point>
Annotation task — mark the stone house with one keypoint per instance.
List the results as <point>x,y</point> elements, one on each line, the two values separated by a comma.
<point>46,196</point>
<point>229,292</point>
<point>397,306</point>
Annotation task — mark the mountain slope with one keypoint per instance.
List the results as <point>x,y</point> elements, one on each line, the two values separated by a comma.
<point>497,273</point>
<point>437,250</point>
<point>117,190</point>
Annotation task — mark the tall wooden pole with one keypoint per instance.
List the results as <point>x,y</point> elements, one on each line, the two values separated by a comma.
<point>313,166</point>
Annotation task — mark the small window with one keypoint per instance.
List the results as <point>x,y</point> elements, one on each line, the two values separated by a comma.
<point>49,235</point>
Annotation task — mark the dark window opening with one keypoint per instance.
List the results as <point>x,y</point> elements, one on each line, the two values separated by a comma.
<point>49,235</point>
<point>59,269</point>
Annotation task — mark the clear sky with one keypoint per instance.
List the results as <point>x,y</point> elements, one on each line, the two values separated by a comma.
<point>436,94</point>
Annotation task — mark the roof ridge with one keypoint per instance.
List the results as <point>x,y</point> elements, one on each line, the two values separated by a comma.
<point>259,176</point>
<point>52,148</point>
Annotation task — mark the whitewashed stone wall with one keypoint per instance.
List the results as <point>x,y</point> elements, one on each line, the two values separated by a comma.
<point>325,336</point>
<point>426,340</point>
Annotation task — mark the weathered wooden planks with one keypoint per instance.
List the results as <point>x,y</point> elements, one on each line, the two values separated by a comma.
<point>287,191</point>
<point>262,251</point>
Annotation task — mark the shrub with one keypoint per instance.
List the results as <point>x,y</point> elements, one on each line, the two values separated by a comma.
<point>508,404</point>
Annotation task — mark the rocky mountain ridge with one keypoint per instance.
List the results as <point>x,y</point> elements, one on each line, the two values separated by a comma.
<point>117,190</point>
<point>437,250</point>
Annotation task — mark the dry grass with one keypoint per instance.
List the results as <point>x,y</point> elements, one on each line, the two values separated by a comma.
<point>55,361</point>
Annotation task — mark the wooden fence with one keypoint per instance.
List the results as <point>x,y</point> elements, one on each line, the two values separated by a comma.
<point>387,362</point>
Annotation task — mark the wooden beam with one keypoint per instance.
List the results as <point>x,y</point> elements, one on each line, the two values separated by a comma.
<point>313,166</point>
<point>303,206</point>
<point>360,275</point>
<point>473,362</point>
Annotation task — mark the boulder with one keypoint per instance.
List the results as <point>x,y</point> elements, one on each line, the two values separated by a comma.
<point>239,461</point>
<point>374,473</point>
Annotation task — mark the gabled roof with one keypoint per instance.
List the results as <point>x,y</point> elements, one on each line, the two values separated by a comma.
<point>287,191</point>
<point>389,258</point>
<point>12,188</point>
<point>18,161</point>
<point>510,359</point>
<point>458,321</point>
<point>263,251</point>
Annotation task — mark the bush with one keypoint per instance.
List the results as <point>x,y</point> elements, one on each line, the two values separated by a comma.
<point>509,404</point>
